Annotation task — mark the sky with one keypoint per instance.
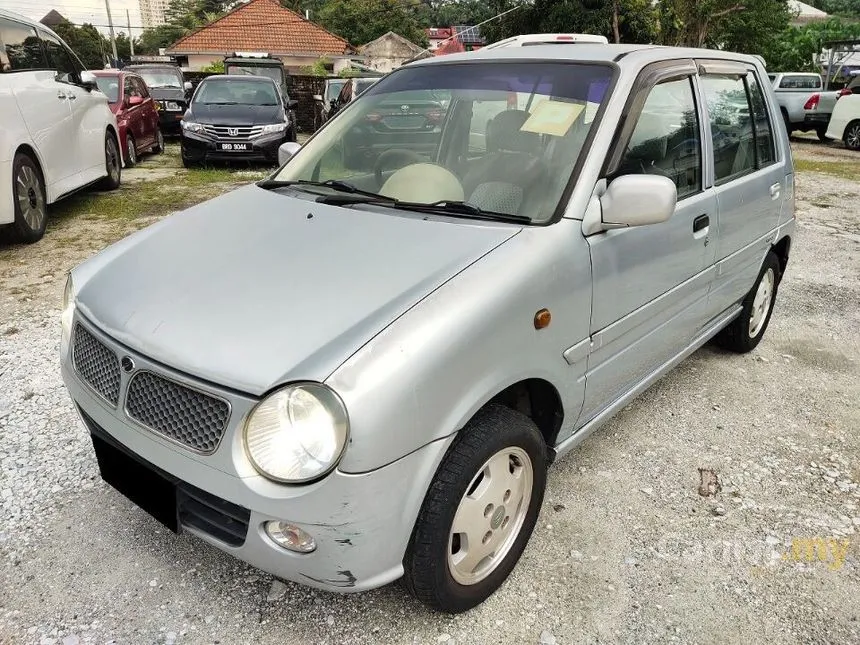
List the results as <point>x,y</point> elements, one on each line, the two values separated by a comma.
<point>80,11</point>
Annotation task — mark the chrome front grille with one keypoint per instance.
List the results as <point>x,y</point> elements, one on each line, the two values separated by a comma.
<point>97,365</point>
<point>191,418</point>
<point>232,132</point>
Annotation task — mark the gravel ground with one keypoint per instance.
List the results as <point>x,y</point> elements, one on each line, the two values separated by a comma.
<point>626,549</point>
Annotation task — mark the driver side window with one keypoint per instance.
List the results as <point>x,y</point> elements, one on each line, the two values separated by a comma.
<point>61,60</point>
<point>666,138</point>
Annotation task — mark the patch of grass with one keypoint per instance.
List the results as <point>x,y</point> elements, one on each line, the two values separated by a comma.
<point>843,169</point>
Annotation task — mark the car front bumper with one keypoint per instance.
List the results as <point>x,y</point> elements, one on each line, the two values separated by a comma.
<point>198,148</point>
<point>361,523</point>
<point>170,120</point>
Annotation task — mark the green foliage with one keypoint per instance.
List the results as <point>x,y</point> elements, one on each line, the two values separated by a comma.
<point>215,68</point>
<point>725,24</point>
<point>845,8</point>
<point>360,21</point>
<point>319,68</point>
<point>91,46</point>
<point>349,72</point>
<point>162,36</point>
<point>795,48</point>
<point>637,19</point>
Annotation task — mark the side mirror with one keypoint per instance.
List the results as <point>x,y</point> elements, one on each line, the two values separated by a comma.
<point>187,85</point>
<point>292,104</point>
<point>88,81</point>
<point>637,200</point>
<point>318,97</point>
<point>134,100</point>
<point>286,151</point>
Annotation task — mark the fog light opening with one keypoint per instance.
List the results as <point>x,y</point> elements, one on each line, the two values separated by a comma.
<point>290,537</point>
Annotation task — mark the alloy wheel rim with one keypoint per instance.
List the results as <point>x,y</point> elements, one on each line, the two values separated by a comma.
<point>761,303</point>
<point>490,515</point>
<point>132,153</point>
<point>853,138</point>
<point>31,202</point>
<point>112,159</point>
<point>160,140</point>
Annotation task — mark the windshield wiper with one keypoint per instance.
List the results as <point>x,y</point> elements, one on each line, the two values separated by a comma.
<point>335,184</point>
<point>357,196</point>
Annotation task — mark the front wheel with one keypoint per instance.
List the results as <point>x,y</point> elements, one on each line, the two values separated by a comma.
<point>852,135</point>
<point>113,164</point>
<point>479,512</point>
<point>159,142</point>
<point>30,204</point>
<point>746,331</point>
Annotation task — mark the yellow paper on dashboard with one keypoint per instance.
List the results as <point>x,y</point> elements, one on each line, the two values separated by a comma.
<point>552,117</point>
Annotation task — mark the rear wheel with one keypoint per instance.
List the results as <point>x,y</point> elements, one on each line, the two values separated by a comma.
<point>113,163</point>
<point>130,152</point>
<point>746,331</point>
<point>852,135</point>
<point>822,134</point>
<point>479,512</point>
<point>787,122</point>
<point>30,203</point>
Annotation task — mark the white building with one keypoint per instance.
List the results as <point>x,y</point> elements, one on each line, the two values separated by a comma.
<point>153,12</point>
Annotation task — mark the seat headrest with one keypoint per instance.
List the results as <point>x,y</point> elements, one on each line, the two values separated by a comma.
<point>504,133</point>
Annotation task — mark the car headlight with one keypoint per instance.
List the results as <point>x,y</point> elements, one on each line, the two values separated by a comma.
<point>173,105</point>
<point>191,126</point>
<point>273,128</point>
<point>67,315</point>
<point>297,434</point>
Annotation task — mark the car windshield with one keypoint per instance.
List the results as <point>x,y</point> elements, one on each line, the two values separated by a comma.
<point>109,86</point>
<point>157,78</point>
<point>275,73</point>
<point>236,92</point>
<point>362,85</point>
<point>501,137</point>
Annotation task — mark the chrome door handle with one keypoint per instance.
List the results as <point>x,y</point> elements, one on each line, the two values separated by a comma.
<point>774,190</point>
<point>60,95</point>
<point>72,97</point>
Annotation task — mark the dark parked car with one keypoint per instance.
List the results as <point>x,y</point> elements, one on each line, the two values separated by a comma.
<point>136,114</point>
<point>234,117</point>
<point>169,88</point>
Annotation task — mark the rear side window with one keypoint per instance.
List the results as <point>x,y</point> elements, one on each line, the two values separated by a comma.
<point>62,60</point>
<point>21,47</point>
<point>666,138</point>
<point>800,83</point>
<point>140,87</point>
<point>731,126</point>
<point>764,141</point>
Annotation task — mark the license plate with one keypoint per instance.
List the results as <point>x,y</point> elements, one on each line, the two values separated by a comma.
<point>150,490</point>
<point>234,147</point>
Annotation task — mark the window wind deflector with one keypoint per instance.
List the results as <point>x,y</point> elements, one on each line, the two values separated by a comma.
<point>727,67</point>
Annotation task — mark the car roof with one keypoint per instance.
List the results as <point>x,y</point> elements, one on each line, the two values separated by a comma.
<point>153,66</point>
<point>238,77</point>
<point>112,72</point>
<point>11,15</point>
<point>623,55</point>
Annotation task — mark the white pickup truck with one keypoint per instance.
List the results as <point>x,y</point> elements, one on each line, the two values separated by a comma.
<point>804,104</point>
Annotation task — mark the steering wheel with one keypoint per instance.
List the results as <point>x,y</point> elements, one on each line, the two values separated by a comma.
<point>394,159</point>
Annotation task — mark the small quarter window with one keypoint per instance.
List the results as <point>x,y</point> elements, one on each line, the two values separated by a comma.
<point>790,82</point>
<point>764,141</point>
<point>666,138</point>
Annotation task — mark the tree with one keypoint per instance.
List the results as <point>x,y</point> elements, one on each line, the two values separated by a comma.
<point>796,48</point>
<point>151,40</point>
<point>629,21</point>
<point>360,21</point>
<point>86,41</point>
<point>739,25</point>
<point>844,8</point>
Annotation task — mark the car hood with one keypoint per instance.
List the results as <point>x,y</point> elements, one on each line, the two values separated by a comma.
<point>256,288</point>
<point>236,114</point>
<point>167,93</point>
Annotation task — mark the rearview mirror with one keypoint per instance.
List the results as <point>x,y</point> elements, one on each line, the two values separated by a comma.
<point>638,200</point>
<point>292,104</point>
<point>134,100</point>
<point>318,97</point>
<point>187,86</point>
<point>286,151</point>
<point>88,80</point>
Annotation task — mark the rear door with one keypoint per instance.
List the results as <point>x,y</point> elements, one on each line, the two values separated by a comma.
<point>43,105</point>
<point>149,115</point>
<point>749,177</point>
<point>651,282</point>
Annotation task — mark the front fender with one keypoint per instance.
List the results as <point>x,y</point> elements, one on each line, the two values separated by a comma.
<point>426,375</point>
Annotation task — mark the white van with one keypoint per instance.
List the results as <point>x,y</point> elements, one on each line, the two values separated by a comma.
<point>549,39</point>
<point>58,133</point>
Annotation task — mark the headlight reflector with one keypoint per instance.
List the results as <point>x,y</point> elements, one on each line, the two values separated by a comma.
<point>67,315</point>
<point>297,433</point>
<point>191,126</point>
<point>275,127</point>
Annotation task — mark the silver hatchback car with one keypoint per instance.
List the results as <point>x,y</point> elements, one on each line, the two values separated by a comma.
<point>361,368</point>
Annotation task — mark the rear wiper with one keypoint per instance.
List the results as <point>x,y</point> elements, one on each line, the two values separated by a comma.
<point>335,184</point>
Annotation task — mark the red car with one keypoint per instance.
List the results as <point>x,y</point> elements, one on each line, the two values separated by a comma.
<point>136,113</point>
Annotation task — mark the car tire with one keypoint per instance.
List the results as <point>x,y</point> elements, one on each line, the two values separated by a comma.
<point>787,122</point>
<point>189,163</point>
<point>745,332</point>
<point>158,146</point>
<point>130,152</point>
<point>822,135</point>
<point>498,457</point>
<point>29,197</point>
<point>852,135</point>
<point>113,164</point>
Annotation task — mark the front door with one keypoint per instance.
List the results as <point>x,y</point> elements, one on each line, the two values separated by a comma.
<point>651,282</point>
